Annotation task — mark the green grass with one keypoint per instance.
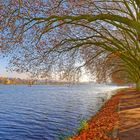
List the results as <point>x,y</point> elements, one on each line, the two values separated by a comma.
<point>83,124</point>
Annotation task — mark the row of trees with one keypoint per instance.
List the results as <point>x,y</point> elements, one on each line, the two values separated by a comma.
<point>102,37</point>
<point>17,81</point>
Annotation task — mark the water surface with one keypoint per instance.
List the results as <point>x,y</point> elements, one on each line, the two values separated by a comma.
<point>47,112</point>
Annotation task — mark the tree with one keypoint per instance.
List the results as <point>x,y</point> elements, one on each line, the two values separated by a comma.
<point>66,35</point>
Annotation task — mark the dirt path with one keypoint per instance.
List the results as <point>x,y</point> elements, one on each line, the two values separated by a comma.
<point>129,114</point>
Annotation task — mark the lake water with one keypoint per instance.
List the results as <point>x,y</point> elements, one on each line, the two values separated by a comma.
<point>47,112</point>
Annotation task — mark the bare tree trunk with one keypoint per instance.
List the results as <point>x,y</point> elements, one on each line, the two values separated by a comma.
<point>138,85</point>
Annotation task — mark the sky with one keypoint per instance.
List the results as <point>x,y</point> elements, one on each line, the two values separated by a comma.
<point>4,71</point>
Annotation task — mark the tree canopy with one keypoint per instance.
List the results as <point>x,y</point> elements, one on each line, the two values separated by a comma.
<point>66,35</point>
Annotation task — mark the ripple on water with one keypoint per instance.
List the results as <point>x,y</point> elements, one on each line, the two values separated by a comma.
<point>46,112</point>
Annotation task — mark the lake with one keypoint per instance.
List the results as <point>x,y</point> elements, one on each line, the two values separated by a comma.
<point>47,112</point>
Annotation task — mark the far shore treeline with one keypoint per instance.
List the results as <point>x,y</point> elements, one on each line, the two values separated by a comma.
<point>19,81</point>
<point>7,81</point>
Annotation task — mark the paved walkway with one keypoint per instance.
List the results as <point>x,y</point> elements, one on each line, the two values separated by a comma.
<point>129,114</point>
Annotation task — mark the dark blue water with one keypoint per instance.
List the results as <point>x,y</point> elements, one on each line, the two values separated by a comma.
<point>47,112</point>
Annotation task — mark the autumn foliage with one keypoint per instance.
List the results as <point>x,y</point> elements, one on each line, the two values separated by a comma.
<point>102,125</point>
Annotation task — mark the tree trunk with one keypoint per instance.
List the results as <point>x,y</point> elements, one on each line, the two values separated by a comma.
<point>138,85</point>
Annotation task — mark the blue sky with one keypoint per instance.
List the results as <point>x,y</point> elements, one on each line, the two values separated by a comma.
<point>3,65</point>
<point>5,73</point>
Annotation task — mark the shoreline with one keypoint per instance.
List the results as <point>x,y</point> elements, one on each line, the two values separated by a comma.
<point>104,124</point>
